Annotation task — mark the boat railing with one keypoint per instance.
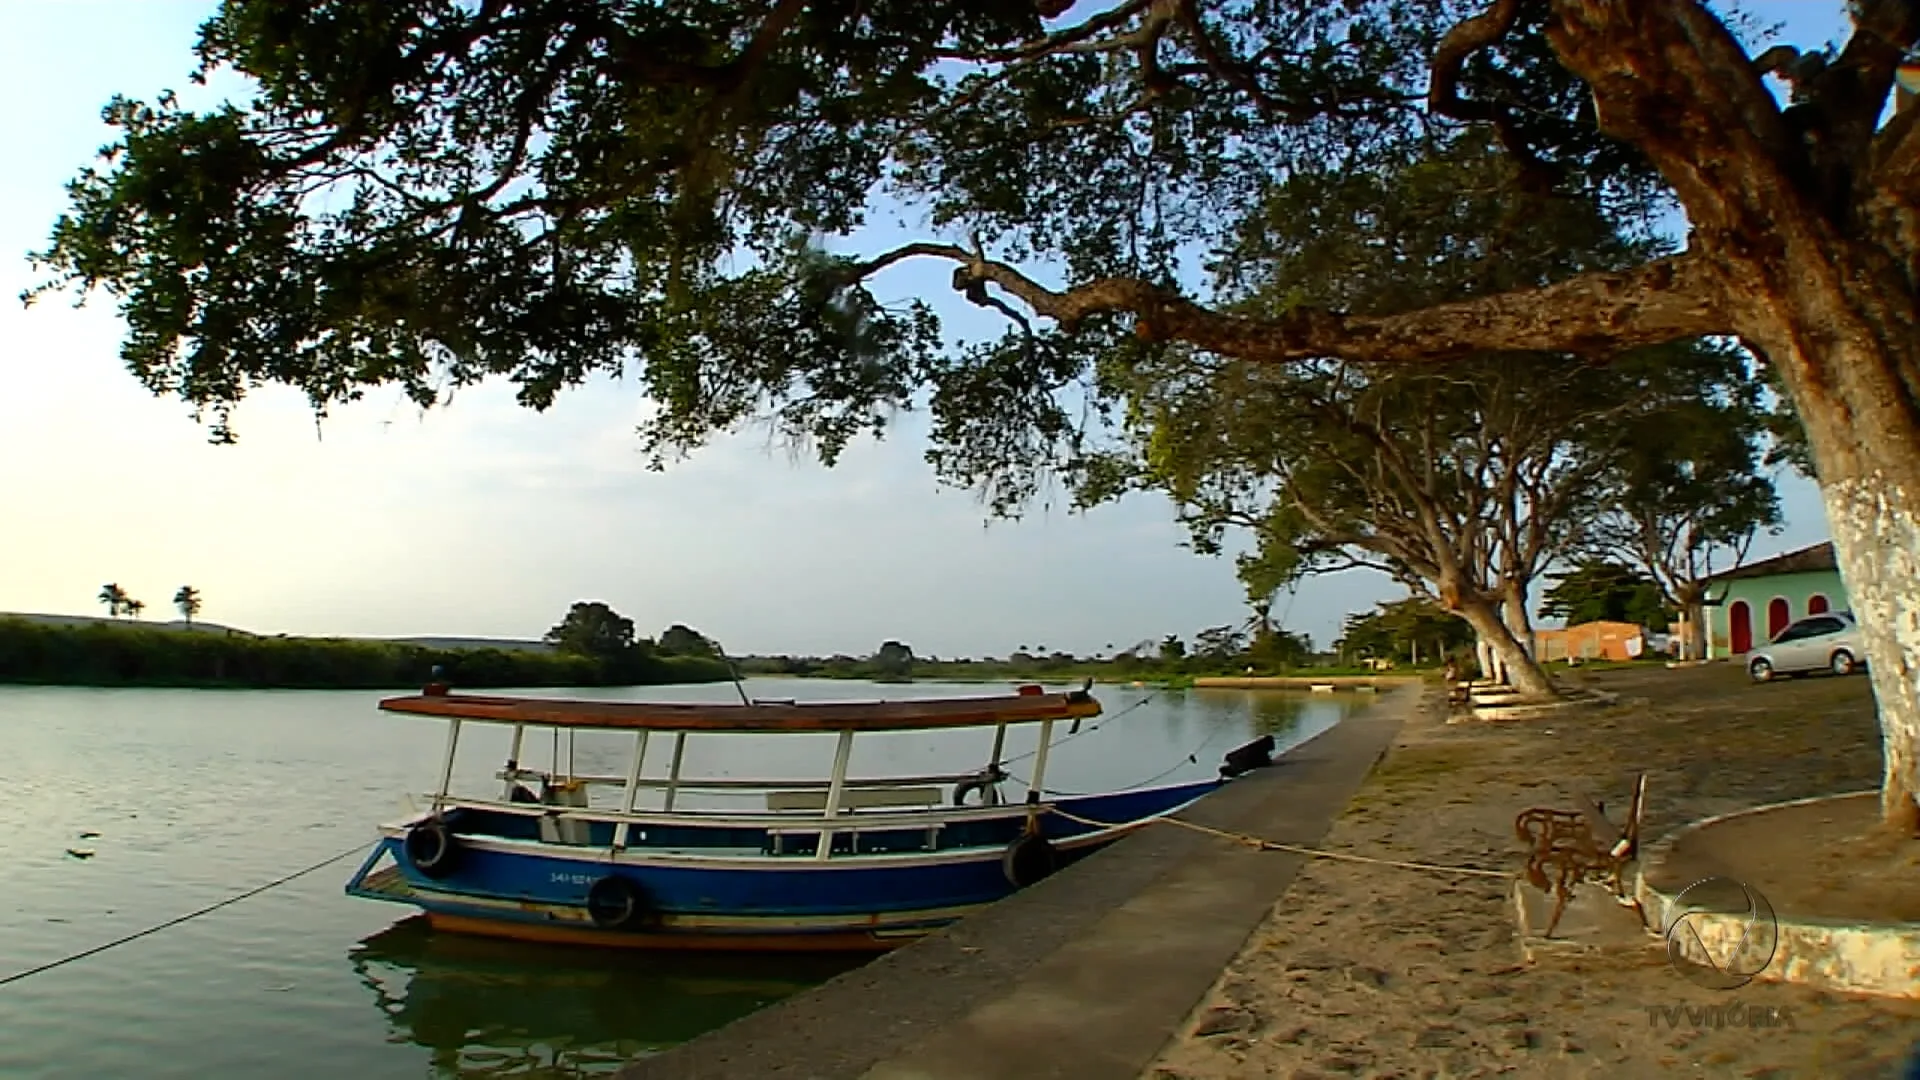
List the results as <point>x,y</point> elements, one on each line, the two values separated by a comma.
<point>791,821</point>
<point>727,783</point>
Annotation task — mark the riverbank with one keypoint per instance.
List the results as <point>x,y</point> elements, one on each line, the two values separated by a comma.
<point>1378,971</point>
<point>127,655</point>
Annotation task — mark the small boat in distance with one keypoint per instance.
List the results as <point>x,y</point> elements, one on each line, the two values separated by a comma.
<point>830,864</point>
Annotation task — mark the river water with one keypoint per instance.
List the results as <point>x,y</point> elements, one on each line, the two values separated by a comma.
<point>194,796</point>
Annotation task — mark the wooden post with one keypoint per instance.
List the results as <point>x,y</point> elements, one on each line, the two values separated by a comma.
<point>835,788</point>
<point>446,767</point>
<point>673,773</point>
<point>632,790</point>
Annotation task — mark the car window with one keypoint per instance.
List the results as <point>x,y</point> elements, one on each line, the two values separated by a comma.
<point>1816,627</point>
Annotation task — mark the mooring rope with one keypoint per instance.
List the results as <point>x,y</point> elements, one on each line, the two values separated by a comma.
<point>1088,730</point>
<point>1192,757</point>
<point>1297,849</point>
<point>188,917</point>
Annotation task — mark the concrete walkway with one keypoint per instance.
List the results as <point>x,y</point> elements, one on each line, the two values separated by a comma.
<point>1084,976</point>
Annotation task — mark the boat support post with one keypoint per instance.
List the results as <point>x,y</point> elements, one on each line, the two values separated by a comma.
<point>632,791</point>
<point>673,772</point>
<point>835,788</point>
<point>513,751</point>
<point>446,767</point>
<point>1038,785</point>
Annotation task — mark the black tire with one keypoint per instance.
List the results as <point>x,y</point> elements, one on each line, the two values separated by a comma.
<point>1842,663</point>
<point>617,903</point>
<point>1760,671</point>
<point>432,849</point>
<point>1029,859</point>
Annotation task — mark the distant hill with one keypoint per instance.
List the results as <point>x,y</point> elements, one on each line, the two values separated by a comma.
<point>508,644</point>
<point>198,627</point>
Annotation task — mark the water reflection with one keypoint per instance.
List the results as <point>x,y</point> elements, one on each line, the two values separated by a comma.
<point>486,1008</point>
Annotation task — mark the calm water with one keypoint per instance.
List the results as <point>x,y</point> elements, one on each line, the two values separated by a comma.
<point>198,795</point>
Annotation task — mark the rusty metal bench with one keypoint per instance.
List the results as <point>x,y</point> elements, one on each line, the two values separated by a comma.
<point>1566,848</point>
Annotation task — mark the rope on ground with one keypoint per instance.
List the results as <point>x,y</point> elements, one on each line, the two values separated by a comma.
<point>188,917</point>
<point>1297,849</point>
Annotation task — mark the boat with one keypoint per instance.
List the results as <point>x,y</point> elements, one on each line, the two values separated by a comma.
<point>646,860</point>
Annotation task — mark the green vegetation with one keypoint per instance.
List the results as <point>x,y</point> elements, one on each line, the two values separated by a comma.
<point>1608,592</point>
<point>1411,631</point>
<point>1222,650</point>
<point>104,654</point>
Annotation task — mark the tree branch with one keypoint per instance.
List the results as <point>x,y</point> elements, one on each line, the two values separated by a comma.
<point>1595,314</point>
<point>1470,36</point>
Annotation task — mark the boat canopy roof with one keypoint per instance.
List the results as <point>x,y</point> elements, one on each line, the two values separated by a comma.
<point>781,716</point>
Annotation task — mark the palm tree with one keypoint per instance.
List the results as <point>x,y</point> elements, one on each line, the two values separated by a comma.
<point>188,601</point>
<point>114,597</point>
<point>134,607</point>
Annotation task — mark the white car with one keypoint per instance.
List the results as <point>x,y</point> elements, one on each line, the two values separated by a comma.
<point>1829,641</point>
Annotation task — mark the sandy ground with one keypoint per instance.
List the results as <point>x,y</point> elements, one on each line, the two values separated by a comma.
<point>1377,972</point>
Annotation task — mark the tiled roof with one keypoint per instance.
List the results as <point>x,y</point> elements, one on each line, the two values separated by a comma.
<point>1806,560</point>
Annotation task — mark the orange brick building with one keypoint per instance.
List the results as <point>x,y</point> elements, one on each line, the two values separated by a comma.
<point>1591,641</point>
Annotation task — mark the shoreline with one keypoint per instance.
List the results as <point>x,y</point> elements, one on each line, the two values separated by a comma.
<point>1086,974</point>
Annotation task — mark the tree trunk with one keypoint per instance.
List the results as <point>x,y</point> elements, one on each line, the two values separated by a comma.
<point>1876,535</point>
<point>1513,611</point>
<point>1519,668</point>
<point>1845,339</point>
<point>1693,609</point>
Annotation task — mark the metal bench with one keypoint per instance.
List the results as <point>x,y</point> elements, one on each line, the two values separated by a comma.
<point>1566,848</point>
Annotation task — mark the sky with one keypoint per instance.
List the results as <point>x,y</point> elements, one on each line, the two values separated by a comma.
<point>486,519</point>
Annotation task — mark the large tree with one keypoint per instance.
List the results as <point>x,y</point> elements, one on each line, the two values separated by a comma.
<point>1464,482</point>
<point>1688,495</point>
<point>427,192</point>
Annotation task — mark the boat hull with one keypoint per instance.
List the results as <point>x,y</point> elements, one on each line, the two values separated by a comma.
<point>534,891</point>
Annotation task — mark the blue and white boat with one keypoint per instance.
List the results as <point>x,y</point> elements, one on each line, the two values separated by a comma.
<point>840,863</point>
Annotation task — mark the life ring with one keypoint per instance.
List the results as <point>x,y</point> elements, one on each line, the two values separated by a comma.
<point>1029,859</point>
<point>617,903</point>
<point>432,848</point>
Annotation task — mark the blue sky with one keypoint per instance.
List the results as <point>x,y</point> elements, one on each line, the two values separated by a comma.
<point>484,518</point>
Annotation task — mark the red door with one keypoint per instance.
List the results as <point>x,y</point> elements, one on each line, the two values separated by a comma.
<point>1740,626</point>
<point>1816,604</point>
<point>1777,616</point>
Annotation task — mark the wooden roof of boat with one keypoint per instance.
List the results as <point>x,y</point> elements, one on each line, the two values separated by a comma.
<point>772,716</point>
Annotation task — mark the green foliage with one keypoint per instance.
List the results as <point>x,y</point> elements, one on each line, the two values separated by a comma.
<point>894,661</point>
<point>594,630</point>
<point>1692,485</point>
<point>424,194</point>
<point>678,640</point>
<point>187,601</point>
<point>1393,631</point>
<point>1605,591</point>
<point>1471,475</point>
<point>115,598</point>
<point>105,655</point>
<point>122,655</point>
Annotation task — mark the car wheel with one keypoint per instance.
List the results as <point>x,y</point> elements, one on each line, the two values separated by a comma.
<point>1760,671</point>
<point>1842,663</point>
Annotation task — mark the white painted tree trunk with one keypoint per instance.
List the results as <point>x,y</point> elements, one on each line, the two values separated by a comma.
<point>1876,537</point>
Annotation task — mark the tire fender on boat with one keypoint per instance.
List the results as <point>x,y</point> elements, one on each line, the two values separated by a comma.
<point>616,902</point>
<point>431,848</point>
<point>1029,859</point>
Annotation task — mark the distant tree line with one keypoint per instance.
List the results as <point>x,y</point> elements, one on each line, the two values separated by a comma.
<point>1221,650</point>
<point>121,654</point>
